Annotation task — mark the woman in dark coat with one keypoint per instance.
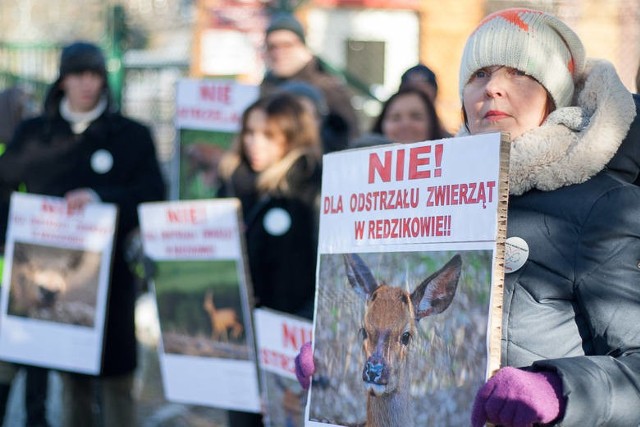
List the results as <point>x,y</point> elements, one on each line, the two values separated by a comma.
<point>274,170</point>
<point>280,200</point>
<point>81,149</point>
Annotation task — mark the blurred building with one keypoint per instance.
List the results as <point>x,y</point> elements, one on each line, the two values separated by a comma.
<point>377,39</point>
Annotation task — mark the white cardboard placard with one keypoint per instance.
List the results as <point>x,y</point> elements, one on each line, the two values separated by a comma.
<point>279,337</point>
<point>207,355</point>
<point>57,269</point>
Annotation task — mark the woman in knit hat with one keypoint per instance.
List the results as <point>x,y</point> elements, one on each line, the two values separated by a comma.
<point>570,316</point>
<point>571,340</point>
<point>571,313</point>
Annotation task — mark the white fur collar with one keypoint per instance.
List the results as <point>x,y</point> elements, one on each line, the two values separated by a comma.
<point>577,142</point>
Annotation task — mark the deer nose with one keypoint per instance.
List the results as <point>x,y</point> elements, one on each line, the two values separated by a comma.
<point>47,296</point>
<point>373,372</point>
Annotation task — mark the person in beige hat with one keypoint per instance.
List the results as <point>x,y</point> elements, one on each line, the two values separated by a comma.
<point>571,314</point>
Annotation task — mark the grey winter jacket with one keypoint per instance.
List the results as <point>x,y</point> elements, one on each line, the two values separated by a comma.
<point>574,307</point>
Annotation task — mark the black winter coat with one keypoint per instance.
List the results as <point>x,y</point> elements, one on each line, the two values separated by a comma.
<point>46,156</point>
<point>282,236</point>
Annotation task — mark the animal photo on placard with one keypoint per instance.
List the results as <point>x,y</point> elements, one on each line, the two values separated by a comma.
<point>285,401</point>
<point>400,337</point>
<point>54,284</point>
<point>200,154</point>
<point>200,308</point>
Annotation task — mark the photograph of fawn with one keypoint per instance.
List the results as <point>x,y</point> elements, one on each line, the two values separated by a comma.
<point>200,308</point>
<point>400,337</point>
<point>54,284</point>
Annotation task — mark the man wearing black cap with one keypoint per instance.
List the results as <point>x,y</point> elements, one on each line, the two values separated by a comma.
<point>83,150</point>
<point>289,59</point>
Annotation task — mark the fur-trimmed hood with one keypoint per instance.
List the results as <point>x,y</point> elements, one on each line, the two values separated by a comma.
<point>576,142</point>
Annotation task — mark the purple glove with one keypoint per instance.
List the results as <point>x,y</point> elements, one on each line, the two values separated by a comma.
<point>305,367</point>
<point>517,398</point>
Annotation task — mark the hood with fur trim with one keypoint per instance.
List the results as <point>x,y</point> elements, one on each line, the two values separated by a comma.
<point>575,142</point>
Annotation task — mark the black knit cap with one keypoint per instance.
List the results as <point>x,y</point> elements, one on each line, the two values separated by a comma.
<point>419,72</point>
<point>286,21</point>
<point>82,56</point>
<point>76,57</point>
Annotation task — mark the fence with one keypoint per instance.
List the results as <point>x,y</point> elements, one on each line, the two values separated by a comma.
<point>149,96</point>
<point>29,64</point>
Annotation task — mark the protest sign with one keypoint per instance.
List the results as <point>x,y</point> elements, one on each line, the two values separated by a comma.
<point>279,337</point>
<point>57,269</point>
<point>409,281</point>
<point>208,116</point>
<point>207,354</point>
<point>229,39</point>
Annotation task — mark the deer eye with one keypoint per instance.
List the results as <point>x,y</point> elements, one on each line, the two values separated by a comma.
<point>405,338</point>
<point>363,333</point>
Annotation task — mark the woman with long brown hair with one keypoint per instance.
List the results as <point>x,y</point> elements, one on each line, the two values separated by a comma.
<point>274,169</point>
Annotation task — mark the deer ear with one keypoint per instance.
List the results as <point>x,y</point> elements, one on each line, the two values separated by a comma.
<point>359,275</point>
<point>75,260</point>
<point>435,294</point>
<point>20,255</point>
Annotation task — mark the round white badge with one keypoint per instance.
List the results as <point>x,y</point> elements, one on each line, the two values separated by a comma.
<point>277,221</point>
<point>101,161</point>
<point>516,253</point>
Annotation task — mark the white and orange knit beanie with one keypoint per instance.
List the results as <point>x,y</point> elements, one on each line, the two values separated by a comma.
<point>531,41</point>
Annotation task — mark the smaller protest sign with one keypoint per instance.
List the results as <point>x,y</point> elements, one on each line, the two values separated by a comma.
<point>207,355</point>
<point>279,337</point>
<point>57,269</point>
<point>208,113</point>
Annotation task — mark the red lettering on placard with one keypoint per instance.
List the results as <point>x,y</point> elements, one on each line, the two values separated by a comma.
<point>190,215</point>
<point>216,93</point>
<point>294,336</point>
<point>423,163</point>
<point>332,206</point>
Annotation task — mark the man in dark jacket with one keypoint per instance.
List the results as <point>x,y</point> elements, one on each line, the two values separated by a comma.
<point>289,59</point>
<point>81,149</point>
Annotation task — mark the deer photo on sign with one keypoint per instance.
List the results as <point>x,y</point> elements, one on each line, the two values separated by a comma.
<point>400,338</point>
<point>54,284</point>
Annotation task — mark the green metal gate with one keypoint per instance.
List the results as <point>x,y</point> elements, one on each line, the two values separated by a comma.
<point>34,65</point>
